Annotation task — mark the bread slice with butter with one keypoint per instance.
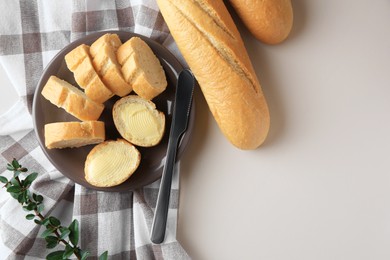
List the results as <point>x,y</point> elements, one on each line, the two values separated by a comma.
<point>138,121</point>
<point>79,62</point>
<point>63,94</point>
<point>103,52</point>
<point>141,68</point>
<point>111,163</point>
<point>73,134</point>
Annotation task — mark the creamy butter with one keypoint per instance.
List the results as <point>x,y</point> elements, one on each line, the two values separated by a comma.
<point>140,122</point>
<point>112,165</point>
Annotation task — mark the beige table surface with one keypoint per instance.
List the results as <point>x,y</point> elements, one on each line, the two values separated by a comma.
<point>319,188</point>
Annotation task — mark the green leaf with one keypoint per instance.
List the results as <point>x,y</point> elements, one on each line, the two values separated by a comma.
<point>40,208</point>
<point>56,255</point>
<point>15,164</point>
<point>10,167</point>
<point>38,222</point>
<point>104,256</point>
<point>39,198</point>
<point>47,232</point>
<point>68,252</point>
<point>64,232</point>
<point>54,221</point>
<point>74,232</point>
<point>52,241</point>
<point>30,178</point>
<point>30,216</point>
<point>14,189</point>
<point>45,222</point>
<point>30,206</point>
<point>14,195</point>
<point>51,245</point>
<point>84,255</point>
<point>22,198</point>
<point>3,179</point>
<point>14,182</point>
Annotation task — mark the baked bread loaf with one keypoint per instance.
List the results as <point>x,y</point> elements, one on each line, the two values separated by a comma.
<point>73,100</point>
<point>138,121</point>
<point>103,52</point>
<point>73,134</point>
<point>80,63</point>
<point>111,163</point>
<point>141,68</point>
<point>212,46</point>
<point>270,21</point>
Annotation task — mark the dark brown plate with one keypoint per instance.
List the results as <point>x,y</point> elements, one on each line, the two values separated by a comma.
<point>70,161</point>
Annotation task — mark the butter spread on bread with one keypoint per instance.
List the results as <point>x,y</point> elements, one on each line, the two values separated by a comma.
<point>270,21</point>
<point>73,134</point>
<point>71,99</point>
<point>138,121</point>
<point>103,52</point>
<point>141,68</point>
<point>111,163</point>
<point>79,62</point>
<point>212,46</point>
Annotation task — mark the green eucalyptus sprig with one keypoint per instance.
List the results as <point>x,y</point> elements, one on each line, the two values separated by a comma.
<point>55,232</point>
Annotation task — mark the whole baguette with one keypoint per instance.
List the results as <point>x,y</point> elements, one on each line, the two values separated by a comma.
<point>73,134</point>
<point>212,46</point>
<point>270,21</point>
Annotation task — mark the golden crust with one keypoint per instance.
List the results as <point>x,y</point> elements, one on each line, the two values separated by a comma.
<point>71,99</point>
<point>109,69</point>
<point>80,63</point>
<point>141,68</point>
<point>73,134</point>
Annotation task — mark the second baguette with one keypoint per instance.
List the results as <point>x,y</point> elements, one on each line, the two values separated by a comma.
<point>270,21</point>
<point>212,46</point>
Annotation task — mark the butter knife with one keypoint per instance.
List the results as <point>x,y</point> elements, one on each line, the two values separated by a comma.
<point>181,112</point>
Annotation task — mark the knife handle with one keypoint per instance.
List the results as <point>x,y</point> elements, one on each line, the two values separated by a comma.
<point>162,206</point>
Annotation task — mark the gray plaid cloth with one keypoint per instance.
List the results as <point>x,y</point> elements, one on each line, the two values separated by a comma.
<point>31,33</point>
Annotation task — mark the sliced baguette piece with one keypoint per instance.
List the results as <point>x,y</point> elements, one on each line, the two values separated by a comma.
<point>103,52</point>
<point>71,99</point>
<point>73,134</point>
<point>212,46</point>
<point>111,39</point>
<point>111,163</point>
<point>138,121</point>
<point>141,68</point>
<point>80,63</point>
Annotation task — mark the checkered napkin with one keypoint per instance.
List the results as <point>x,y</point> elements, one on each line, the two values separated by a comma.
<point>31,33</point>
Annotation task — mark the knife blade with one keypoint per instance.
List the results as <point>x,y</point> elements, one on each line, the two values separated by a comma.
<point>181,112</point>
